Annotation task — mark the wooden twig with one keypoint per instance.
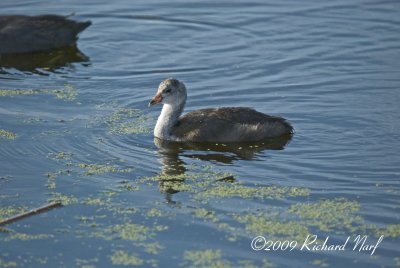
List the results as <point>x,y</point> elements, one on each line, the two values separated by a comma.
<point>30,213</point>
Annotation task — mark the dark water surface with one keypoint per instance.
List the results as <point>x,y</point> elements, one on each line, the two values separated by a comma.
<point>84,135</point>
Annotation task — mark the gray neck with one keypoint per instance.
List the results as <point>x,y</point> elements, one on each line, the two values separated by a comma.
<point>167,120</point>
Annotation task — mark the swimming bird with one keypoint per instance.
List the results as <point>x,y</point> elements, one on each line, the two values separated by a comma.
<point>23,34</point>
<point>226,124</point>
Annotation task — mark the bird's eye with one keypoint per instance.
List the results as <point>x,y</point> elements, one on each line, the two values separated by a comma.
<point>168,90</point>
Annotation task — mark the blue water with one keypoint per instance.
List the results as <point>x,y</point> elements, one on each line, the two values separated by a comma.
<point>331,68</point>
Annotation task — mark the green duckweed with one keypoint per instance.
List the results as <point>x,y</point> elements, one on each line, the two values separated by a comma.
<point>86,263</point>
<point>397,261</point>
<point>264,224</point>
<point>92,169</point>
<point>51,175</point>
<point>69,93</point>
<point>329,214</point>
<point>51,185</point>
<point>121,257</point>
<point>7,135</point>
<point>207,258</point>
<point>154,212</point>
<point>15,92</point>
<point>127,121</point>
<point>130,231</point>
<point>319,263</point>
<point>152,248</point>
<point>205,214</point>
<point>51,180</point>
<point>7,264</point>
<point>207,184</point>
<point>96,201</point>
<point>63,198</point>
<point>25,237</point>
<point>391,230</point>
<point>6,212</point>
<point>60,156</point>
<point>210,258</point>
<point>235,189</point>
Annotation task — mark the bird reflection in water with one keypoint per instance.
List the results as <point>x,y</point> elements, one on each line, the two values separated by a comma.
<point>42,62</point>
<point>173,172</point>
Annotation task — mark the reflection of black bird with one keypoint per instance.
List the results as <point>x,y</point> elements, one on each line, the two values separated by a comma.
<point>48,61</point>
<point>173,171</point>
<point>23,34</point>
<point>220,152</point>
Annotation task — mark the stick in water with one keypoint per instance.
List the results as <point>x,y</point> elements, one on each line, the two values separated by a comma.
<point>30,213</point>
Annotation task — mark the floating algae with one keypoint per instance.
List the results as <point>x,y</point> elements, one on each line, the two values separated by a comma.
<point>15,92</point>
<point>256,224</point>
<point>121,257</point>
<point>123,121</point>
<point>51,185</point>
<point>7,264</point>
<point>51,180</point>
<point>205,258</point>
<point>319,263</point>
<point>60,156</point>
<point>397,261</point>
<point>7,134</point>
<point>154,212</point>
<point>69,93</point>
<point>130,231</point>
<point>97,201</point>
<point>92,169</point>
<point>25,237</point>
<point>89,168</point>
<point>329,214</point>
<point>191,182</point>
<point>163,177</point>
<point>206,184</point>
<point>127,121</point>
<point>52,176</point>
<point>86,263</point>
<point>152,248</point>
<point>6,212</point>
<point>391,230</point>
<point>205,214</point>
<point>210,258</point>
<point>237,189</point>
<point>133,127</point>
<point>128,186</point>
<point>63,198</point>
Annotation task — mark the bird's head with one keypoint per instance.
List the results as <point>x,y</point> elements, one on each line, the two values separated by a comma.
<point>170,91</point>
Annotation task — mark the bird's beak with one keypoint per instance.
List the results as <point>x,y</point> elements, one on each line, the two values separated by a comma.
<point>156,99</point>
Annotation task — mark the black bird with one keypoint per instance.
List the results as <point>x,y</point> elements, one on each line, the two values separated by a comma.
<point>24,34</point>
<point>225,124</point>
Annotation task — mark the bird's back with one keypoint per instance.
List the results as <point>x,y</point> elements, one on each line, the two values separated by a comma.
<point>229,124</point>
<point>21,34</point>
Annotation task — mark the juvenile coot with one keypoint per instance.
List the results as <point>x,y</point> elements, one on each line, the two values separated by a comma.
<point>23,34</point>
<point>227,124</point>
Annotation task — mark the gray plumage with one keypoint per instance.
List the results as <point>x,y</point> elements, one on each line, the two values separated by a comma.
<point>227,124</point>
<point>22,34</point>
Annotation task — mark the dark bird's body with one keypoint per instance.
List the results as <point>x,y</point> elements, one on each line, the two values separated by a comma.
<point>229,124</point>
<point>24,34</point>
<point>226,124</point>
